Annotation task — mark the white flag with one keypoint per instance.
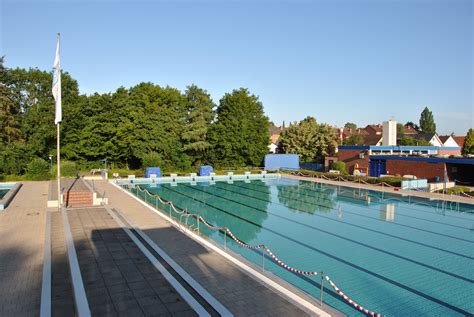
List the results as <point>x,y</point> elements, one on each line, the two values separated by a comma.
<point>57,86</point>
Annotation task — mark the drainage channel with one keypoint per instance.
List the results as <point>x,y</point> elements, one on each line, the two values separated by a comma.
<point>197,293</point>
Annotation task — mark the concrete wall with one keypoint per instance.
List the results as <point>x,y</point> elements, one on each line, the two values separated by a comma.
<point>419,169</point>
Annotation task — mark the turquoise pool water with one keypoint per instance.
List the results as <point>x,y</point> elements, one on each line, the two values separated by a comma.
<point>3,192</point>
<point>395,255</point>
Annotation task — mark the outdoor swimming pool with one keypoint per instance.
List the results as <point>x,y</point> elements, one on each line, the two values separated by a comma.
<point>394,255</point>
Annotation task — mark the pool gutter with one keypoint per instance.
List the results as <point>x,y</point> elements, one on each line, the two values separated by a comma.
<point>5,201</point>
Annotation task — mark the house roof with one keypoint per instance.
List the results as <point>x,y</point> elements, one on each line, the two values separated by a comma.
<point>372,139</point>
<point>274,130</point>
<point>409,130</point>
<point>459,140</point>
<point>424,136</point>
<point>374,129</point>
<point>444,138</point>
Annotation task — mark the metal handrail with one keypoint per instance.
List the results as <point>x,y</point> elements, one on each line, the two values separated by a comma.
<point>265,248</point>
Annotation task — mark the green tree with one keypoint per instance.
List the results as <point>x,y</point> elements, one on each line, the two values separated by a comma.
<point>240,134</point>
<point>9,110</point>
<point>350,125</point>
<point>307,138</point>
<point>427,124</point>
<point>400,129</point>
<point>407,141</point>
<point>200,113</point>
<point>355,139</point>
<point>469,142</point>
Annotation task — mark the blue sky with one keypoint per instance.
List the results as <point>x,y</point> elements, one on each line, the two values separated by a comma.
<point>339,61</point>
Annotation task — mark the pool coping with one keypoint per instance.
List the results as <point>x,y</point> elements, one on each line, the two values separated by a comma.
<point>294,295</point>
<point>391,190</point>
<point>6,200</point>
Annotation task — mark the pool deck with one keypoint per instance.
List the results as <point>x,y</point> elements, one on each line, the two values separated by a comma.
<point>387,189</point>
<point>22,229</point>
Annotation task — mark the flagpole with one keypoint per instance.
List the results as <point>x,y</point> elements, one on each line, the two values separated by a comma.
<point>59,170</point>
<point>58,144</point>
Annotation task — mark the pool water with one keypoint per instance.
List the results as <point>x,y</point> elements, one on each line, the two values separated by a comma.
<point>3,192</point>
<point>394,255</point>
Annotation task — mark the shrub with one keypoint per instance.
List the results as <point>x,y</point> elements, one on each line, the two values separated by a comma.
<point>68,169</point>
<point>339,166</point>
<point>152,159</point>
<point>38,169</point>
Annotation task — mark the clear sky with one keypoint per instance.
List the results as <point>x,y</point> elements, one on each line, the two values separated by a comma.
<point>339,61</point>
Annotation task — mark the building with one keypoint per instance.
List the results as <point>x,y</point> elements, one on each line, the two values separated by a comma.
<point>362,155</point>
<point>374,129</point>
<point>274,136</point>
<point>431,138</point>
<point>434,169</point>
<point>448,140</point>
<point>409,131</point>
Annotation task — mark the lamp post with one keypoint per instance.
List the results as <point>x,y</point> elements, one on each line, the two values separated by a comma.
<point>51,164</point>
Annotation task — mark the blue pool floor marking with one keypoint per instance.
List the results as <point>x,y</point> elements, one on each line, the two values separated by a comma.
<point>350,224</point>
<point>376,195</point>
<point>399,213</point>
<point>328,291</point>
<point>314,204</point>
<point>348,239</point>
<point>393,223</point>
<point>386,279</point>
<point>372,194</point>
<point>357,226</point>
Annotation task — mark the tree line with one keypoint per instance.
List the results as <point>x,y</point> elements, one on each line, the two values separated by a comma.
<point>144,125</point>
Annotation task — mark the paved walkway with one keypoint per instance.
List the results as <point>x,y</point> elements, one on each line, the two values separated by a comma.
<point>118,278</point>
<point>22,226</point>
<point>387,189</point>
<point>239,292</point>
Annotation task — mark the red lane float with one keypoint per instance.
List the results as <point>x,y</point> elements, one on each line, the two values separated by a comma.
<point>269,252</point>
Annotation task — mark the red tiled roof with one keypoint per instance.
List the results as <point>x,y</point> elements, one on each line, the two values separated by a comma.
<point>409,130</point>
<point>371,139</point>
<point>374,129</point>
<point>459,140</point>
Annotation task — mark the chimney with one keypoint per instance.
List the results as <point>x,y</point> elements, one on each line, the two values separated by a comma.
<point>389,131</point>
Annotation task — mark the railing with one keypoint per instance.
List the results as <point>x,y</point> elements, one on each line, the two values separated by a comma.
<point>184,214</point>
<point>359,180</point>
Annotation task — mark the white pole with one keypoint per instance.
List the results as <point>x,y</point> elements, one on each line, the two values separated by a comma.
<point>59,170</point>
<point>58,129</point>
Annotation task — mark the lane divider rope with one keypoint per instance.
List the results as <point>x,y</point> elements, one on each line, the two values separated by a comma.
<point>259,246</point>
